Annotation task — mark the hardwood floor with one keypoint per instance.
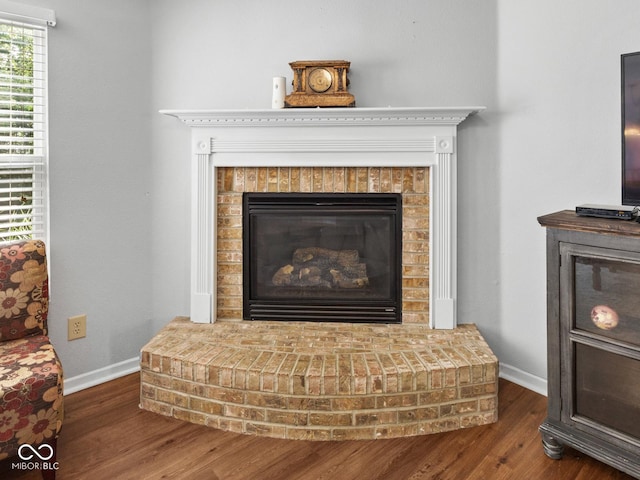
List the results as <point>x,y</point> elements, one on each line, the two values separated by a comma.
<point>106,436</point>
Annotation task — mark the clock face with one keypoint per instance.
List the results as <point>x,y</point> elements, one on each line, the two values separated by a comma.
<point>320,80</point>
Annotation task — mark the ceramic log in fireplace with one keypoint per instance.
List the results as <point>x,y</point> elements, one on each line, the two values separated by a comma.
<point>322,257</point>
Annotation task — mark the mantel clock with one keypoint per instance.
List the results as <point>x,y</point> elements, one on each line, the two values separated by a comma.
<point>320,83</point>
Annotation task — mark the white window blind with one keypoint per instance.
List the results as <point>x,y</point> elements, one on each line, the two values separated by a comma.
<point>23,130</point>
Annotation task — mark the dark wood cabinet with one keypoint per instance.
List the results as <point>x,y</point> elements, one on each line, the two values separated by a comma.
<point>593,330</point>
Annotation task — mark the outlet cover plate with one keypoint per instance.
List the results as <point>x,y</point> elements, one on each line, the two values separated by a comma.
<point>77,327</point>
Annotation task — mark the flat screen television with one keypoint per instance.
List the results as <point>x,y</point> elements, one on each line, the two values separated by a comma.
<point>630,75</point>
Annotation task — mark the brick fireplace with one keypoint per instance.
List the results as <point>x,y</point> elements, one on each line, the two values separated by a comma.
<point>323,381</point>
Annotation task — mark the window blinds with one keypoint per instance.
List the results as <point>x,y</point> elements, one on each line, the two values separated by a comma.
<point>23,130</point>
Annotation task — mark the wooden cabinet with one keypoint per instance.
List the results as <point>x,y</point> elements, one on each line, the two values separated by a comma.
<point>593,330</point>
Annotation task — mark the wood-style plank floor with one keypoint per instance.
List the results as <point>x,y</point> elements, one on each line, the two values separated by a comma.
<point>106,436</point>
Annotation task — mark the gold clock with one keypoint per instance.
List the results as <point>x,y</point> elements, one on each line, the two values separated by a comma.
<point>320,83</point>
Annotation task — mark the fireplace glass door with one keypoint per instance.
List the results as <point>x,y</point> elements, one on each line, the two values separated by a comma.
<point>322,257</point>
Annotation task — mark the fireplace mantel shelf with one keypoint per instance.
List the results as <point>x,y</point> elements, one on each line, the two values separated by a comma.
<point>325,116</point>
<point>326,137</point>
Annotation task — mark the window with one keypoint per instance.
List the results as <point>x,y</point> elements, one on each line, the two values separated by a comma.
<point>23,127</point>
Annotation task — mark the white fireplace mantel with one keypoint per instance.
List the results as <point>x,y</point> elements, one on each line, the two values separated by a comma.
<point>328,137</point>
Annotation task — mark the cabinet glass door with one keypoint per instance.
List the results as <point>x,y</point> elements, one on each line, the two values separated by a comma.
<point>607,389</point>
<point>601,288</point>
<point>607,298</point>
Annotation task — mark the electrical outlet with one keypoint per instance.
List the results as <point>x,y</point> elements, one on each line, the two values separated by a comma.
<point>77,327</point>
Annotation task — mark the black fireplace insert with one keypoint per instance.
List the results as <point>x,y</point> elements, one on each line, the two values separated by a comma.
<point>331,257</point>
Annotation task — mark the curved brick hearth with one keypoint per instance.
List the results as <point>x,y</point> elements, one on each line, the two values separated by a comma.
<point>320,381</point>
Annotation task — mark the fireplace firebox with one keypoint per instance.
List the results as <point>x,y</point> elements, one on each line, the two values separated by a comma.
<point>331,257</point>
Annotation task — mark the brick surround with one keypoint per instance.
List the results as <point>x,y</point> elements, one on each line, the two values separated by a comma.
<point>320,381</point>
<point>412,183</point>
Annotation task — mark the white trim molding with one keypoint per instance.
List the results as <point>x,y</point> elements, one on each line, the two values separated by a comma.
<point>101,375</point>
<point>524,379</point>
<point>328,137</point>
<point>31,14</point>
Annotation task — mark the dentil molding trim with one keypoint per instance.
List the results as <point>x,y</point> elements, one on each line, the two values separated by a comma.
<point>325,116</point>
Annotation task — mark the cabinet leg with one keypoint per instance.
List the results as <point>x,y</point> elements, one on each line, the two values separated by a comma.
<point>552,447</point>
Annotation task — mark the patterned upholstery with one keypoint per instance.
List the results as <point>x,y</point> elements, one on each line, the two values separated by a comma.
<point>31,401</point>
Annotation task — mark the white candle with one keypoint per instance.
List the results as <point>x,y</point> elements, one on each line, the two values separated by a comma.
<point>279,91</point>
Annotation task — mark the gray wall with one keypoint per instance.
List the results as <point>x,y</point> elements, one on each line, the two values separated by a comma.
<point>558,144</point>
<point>547,71</point>
<point>100,188</point>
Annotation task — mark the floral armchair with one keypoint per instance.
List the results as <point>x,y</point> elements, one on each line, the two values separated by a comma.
<point>31,399</point>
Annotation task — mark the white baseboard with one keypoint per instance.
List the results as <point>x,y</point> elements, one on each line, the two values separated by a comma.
<point>524,379</point>
<point>101,375</point>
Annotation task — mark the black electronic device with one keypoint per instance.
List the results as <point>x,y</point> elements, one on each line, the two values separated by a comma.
<point>621,212</point>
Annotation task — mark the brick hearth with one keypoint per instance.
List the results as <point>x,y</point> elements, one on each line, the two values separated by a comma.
<point>319,381</point>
